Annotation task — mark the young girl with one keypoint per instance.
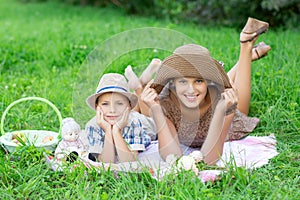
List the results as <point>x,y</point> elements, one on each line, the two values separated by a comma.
<point>137,84</point>
<point>197,102</point>
<point>117,132</point>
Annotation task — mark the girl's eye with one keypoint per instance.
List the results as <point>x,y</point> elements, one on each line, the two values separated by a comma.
<point>120,103</point>
<point>182,82</point>
<point>104,104</point>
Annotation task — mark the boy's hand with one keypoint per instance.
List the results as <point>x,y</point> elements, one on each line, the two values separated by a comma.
<point>100,120</point>
<point>122,122</point>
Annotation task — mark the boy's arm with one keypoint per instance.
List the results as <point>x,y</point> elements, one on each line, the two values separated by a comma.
<point>108,152</point>
<point>123,151</point>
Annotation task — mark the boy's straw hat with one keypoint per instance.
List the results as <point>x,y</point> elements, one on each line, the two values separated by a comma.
<point>190,60</point>
<point>112,82</point>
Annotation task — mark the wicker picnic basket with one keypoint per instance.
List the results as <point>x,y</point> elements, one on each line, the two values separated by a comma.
<point>38,138</point>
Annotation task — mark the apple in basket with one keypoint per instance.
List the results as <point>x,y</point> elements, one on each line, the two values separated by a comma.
<point>47,139</point>
<point>17,137</point>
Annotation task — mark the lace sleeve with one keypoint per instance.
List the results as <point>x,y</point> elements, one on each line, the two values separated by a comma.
<point>231,109</point>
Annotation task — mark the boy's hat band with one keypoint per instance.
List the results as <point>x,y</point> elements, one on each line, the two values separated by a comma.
<point>112,82</point>
<point>111,87</point>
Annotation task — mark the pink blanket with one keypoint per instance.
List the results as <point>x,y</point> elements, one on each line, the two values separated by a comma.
<point>251,152</point>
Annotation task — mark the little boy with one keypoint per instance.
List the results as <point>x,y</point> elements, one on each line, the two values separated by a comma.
<point>117,133</point>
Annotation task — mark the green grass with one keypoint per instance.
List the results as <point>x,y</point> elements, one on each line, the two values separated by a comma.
<point>43,53</point>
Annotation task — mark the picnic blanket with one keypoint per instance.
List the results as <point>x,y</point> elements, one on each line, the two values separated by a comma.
<point>251,152</point>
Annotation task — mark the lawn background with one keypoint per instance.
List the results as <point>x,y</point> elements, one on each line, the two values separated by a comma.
<point>43,46</point>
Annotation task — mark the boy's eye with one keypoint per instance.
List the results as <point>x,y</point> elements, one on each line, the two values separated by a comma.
<point>182,81</point>
<point>104,104</point>
<point>199,80</point>
<point>120,103</point>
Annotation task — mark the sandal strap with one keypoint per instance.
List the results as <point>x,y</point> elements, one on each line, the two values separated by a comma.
<point>258,56</point>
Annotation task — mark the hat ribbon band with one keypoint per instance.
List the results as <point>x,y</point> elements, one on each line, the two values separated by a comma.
<point>111,87</point>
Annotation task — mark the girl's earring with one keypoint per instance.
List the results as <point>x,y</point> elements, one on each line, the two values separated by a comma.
<point>221,63</point>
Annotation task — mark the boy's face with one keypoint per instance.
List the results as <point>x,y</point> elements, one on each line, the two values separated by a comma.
<point>113,106</point>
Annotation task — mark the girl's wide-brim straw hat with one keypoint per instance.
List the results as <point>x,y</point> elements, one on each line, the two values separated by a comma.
<point>112,82</point>
<point>190,60</point>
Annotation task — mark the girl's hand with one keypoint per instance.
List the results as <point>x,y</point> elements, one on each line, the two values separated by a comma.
<point>230,98</point>
<point>149,96</point>
<point>122,122</point>
<point>100,120</point>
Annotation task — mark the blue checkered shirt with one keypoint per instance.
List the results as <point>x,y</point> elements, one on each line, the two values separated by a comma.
<point>136,133</point>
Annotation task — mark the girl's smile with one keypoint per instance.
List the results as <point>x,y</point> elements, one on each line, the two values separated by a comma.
<point>190,91</point>
<point>191,98</point>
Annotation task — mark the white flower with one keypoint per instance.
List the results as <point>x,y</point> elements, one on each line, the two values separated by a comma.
<point>171,159</point>
<point>197,155</point>
<point>187,163</point>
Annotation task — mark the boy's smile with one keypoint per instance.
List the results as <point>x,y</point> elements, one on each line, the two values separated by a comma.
<point>113,106</point>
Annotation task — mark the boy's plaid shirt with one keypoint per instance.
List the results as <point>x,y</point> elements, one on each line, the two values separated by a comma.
<point>136,134</point>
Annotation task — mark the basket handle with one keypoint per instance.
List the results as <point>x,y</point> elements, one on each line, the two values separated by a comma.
<point>28,99</point>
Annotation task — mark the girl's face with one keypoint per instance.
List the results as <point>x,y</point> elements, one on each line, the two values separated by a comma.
<point>190,91</point>
<point>113,105</point>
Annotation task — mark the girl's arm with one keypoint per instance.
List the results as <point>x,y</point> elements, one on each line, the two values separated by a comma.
<point>212,147</point>
<point>167,136</point>
<point>168,142</point>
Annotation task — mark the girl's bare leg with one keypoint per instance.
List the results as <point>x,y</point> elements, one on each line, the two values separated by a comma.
<point>262,51</point>
<point>136,83</point>
<point>242,78</point>
<point>133,83</point>
<point>232,72</point>
<point>133,80</point>
<point>150,70</point>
